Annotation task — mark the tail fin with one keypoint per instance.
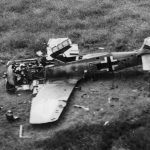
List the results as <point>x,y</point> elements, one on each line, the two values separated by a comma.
<point>144,52</point>
<point>145,49</point>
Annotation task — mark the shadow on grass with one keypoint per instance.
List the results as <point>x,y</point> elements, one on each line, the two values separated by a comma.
<point>94,136</point>
<point>133,134</point>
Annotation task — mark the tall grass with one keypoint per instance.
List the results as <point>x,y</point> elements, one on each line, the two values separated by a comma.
<point>117,25</point>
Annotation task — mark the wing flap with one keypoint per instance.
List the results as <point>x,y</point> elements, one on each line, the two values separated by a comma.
<point>50,101</point>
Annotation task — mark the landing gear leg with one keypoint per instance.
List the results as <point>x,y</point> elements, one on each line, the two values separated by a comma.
<point>113,81</point>
<point>10,88</point>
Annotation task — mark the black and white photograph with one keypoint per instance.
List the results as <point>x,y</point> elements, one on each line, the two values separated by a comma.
<point>74,74</point>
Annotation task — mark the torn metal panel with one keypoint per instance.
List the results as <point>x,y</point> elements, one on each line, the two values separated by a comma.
<point>58,46</point>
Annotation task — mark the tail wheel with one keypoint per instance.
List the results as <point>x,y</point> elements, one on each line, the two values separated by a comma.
<point>10,88</point>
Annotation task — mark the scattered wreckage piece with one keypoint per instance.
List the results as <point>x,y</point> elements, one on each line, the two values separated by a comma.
<point>85,95</point>
<point>106,123</point>
<point>113,99</point>
<point>21,133</point>
<point>11,117</point>
<point>19,94</point>
<point>63,49</point>
<point>83,107</point>
<point>78,88</point>
<point>135,90</point>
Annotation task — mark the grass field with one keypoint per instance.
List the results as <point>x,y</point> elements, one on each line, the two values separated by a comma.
<point>116,25</point>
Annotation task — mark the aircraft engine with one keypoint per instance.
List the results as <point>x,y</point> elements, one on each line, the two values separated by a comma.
<point>22,73</point>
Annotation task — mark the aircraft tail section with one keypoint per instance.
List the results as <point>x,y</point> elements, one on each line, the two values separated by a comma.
<point>144,51</point>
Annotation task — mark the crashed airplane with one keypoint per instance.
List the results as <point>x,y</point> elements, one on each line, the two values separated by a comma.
<point>53,77</point>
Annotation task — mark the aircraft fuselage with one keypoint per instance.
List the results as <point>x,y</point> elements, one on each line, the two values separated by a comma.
<point>87,65</point>
<point>95,63</point>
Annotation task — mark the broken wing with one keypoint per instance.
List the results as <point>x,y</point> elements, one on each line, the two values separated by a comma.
<point>50,101</point>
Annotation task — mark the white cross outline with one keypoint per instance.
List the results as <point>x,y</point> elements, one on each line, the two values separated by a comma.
<point>105,61</point>
<point>113,60</point>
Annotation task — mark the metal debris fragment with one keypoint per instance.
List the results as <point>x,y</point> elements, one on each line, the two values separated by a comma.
<point>11,117</point>
<point>135,90</point>
<point>4,75</point>
<point>113,99</point>
<point>21,132</point>
<point>78,87</point>
<point>19,94</point>
<point>83,107</point>
<point>106,123</point>
<point>101,48</point>
<point>85,96</point>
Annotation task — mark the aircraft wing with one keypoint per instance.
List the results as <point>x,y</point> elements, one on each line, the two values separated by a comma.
<point>50,101</point>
